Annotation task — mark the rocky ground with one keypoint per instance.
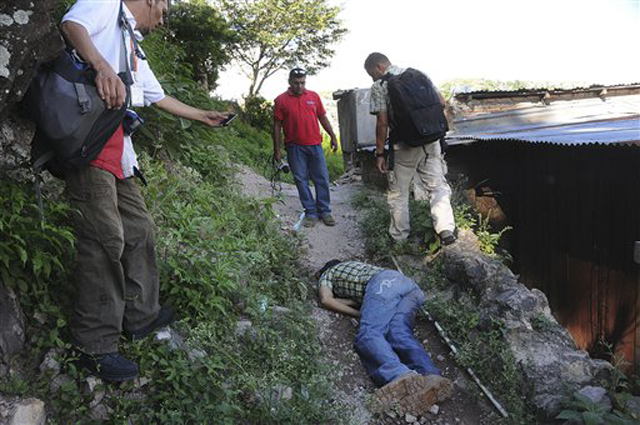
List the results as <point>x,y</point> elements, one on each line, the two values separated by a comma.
<point>352,386</point>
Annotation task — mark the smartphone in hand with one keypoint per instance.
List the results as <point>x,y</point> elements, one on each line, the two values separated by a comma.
<point>225,122</point>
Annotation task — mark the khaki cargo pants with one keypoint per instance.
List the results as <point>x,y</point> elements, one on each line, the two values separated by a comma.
<point>116,278</point>
<point>427,165</point>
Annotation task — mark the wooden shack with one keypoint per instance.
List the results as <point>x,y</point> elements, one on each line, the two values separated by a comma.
<point>564,169</point>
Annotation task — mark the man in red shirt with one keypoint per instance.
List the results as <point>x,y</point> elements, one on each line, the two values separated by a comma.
<point>297,112</point>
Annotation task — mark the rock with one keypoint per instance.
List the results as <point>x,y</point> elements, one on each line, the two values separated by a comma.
<point>435,409</point>
<point>28,36</point>
<point>281,392</point>
<point>242,326</point>
<point>597,395</point>
<point>549,362</point>
<point>50,362</point>
<point>12,337</point>
<point>28,412</point>
<point>408,418</point>
<point>633,406</point>
<point>57,382</point>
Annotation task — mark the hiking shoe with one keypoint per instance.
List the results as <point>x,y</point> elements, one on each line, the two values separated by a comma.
<point>110,367</point>
<point>309,221</point>
<point>412,393</point>
<point>447,237</point>
<point>328,220</point>
<point>166,316</point>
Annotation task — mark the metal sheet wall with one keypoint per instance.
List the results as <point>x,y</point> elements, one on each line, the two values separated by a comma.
<point>575,213</point>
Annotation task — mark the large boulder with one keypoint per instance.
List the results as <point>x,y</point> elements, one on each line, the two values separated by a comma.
<point>28,37</point>
<point>543,349</point>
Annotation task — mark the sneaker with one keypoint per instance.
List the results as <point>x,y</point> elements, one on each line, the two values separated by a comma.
<point>412,393</point>
<point>309,221</point>
<point>447,237</point>
<point>110,367</point>
<point>328,220</point>
<point>165,317</point>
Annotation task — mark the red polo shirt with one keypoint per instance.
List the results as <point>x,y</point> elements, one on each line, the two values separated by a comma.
<point>299,116</point>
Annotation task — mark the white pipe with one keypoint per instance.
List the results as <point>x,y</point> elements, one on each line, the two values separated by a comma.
<point>454,350</point>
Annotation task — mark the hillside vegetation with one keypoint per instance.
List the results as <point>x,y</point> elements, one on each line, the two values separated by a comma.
<point>223,261</point>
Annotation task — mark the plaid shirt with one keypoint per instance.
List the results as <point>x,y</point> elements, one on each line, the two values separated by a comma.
<point>380,93</point>
<point>349,279</point>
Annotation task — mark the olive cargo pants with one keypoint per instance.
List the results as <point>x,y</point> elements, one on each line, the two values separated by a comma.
<point>116,279</point>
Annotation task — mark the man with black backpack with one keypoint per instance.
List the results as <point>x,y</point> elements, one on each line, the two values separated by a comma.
<point>117,287</point>
<point>410,111</point>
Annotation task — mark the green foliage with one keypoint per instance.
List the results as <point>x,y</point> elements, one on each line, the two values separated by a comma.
<point>258,112</point>
<point>203,37</point>
<point>279,34</point>
<point>582,408</point>
<point>335,164</point>
<point>487,353</point>
<point>34,255</point>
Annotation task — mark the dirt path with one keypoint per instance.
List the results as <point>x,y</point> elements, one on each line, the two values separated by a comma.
<point>343,241</point>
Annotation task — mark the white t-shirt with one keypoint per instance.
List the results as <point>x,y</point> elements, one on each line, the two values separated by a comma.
<point>101,20</point>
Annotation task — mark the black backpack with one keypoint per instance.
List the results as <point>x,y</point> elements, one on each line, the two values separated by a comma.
<point>72,122</point>
<point>417,116</point>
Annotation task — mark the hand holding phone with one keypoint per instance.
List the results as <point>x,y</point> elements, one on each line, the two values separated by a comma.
<point>225,122</point>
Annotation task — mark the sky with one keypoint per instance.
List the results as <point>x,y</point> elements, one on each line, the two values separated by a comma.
<point>586,41</point>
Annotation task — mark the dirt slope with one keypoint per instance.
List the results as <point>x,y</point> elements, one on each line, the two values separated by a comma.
<point>337,332</point>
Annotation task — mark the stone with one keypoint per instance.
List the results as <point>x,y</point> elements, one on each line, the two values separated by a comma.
<point>408,418</point>
<point>435,409</point>
<point>50,362</point>
<point>547,358</point>
<point>242,326</point>
<point>28,36</point>
<point>633,407</point>
<point>12,336</point>
<point>597,395</point>
<point>281,392</point>
<point>29,411</point>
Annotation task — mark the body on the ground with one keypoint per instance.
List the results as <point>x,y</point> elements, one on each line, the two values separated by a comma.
<point>385,301</point>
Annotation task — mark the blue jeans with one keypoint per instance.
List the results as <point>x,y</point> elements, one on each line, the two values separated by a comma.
<point>307,162</point>
<point>385,342</point>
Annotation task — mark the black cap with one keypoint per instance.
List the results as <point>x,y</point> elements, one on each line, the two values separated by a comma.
<point>297,73</point>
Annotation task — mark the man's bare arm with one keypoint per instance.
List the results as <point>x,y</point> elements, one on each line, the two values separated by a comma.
<point>328,301</point>
<point>175,107</point>
<point>382,128</point>
<point>110,87</point>
<point>277,140</point>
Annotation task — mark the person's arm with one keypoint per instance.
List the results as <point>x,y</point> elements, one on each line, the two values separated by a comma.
<point>327,127</point>
<point>277,140</point>
<point>382,127</point>
<point>175,107</point>
<point>328,301</point>
<point>110,87</point>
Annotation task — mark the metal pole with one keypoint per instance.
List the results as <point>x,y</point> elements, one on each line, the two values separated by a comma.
<point>454,350</point>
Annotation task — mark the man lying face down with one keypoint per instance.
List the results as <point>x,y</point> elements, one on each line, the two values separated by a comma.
<point>386,302</point>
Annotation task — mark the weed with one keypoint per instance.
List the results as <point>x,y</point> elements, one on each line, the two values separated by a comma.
<point>582,408</point>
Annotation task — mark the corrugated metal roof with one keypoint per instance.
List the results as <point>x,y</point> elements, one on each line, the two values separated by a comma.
<point>595,119</point>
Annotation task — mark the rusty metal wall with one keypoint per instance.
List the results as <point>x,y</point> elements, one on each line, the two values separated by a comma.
<point>575,213</point>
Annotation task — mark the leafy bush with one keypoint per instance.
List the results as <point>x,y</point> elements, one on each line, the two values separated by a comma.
<point>258,112</point>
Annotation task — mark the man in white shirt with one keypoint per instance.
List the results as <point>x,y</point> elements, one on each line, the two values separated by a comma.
<point>117,288</point>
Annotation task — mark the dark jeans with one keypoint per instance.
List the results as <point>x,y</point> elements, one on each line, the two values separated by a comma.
<point>116,278</point>
<point>385,342</point>
<point>308,162</point>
